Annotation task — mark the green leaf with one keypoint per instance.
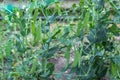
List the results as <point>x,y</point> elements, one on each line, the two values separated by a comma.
<point>81,3</point>
<point>35,15</point>
<point>83,24</point>
<point>114,69</point>
<point>76,59</point>
<point>32,6</point>
<point>116,19</point>
<point>45,75</point>
<point>57,5</point>
<point>53,36</point>
<point>1,55</point>
<point>113,6</point>
<point>33,28</point>
<point>86,19</point>
<point>100,4</point>
<point>101,34</point>
<point>114,29</point>
<point>24,29</point>
<point>44,64</point>
<point>50,67</point>
<point>79,27</point>
<point>48,2</point>
<point>67,55</point>
<point>8,48</point>
<point>37,37</point>
<point>38,33</point>
<point>80,54</point>
<point>34,66</point>
<point>92,36</point>
<point>19,43</point>
<point>52,51</point>
<point>58,75</point>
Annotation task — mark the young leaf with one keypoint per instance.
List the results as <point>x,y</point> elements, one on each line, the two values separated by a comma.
<point>50,67</point>
<point>82,24</point>
<point>114,69</point>
<point>86,19</point>
<point>35,15</point>
<point>38,33</point>
<point>76,59</point>
<point>58,9</point>
<point>67,55</point>
<point>33,28</point>
<point>79,55</point>
<point>8,48</point>
<point>34,66</point>
<point>79,27</point>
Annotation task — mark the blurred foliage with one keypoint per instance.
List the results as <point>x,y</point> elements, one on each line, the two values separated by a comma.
<point>27,41</point>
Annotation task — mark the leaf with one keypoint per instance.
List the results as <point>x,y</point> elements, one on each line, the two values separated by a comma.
<point>34,66</point>
<point>82,24</point>
<point>67,56</point>
<point>24,29</point>
<point>86,19</point>
<point>52,51</point>
<point>69,77</point>
<point>1,55</point>
<point>32,6</point>
<point>113,6</point>
<point>92,36</point>
<point>101,33</point>
<point>15,74</point>
<point>33,29</point>
<point>114,29</point>
<point>58,75</point>
<point>45,75</point>
<point>116,19</point>
<point>79,27</point>
<point>53,36</point>
<point>114,69</point>
<point>99,54</point>
<point>48,2</point>
<point>37,37</point>
<point>76,59</point>
<point>19,43</point>
<point>100,4</point>
<point>50,67</point>
<point>38,33</point>
<point>81,3</point>
<point>45,27</point>
<point>80,54</point>
<point>66,32</point>
<point>116,59</point>
<point>8,48</point>
<point>57,5</point>
<point>44,64</point>
<point>35,15</point>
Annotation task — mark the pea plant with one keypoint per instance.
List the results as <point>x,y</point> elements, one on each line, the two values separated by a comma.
<point>28,41</point>
<point>96,59</point>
